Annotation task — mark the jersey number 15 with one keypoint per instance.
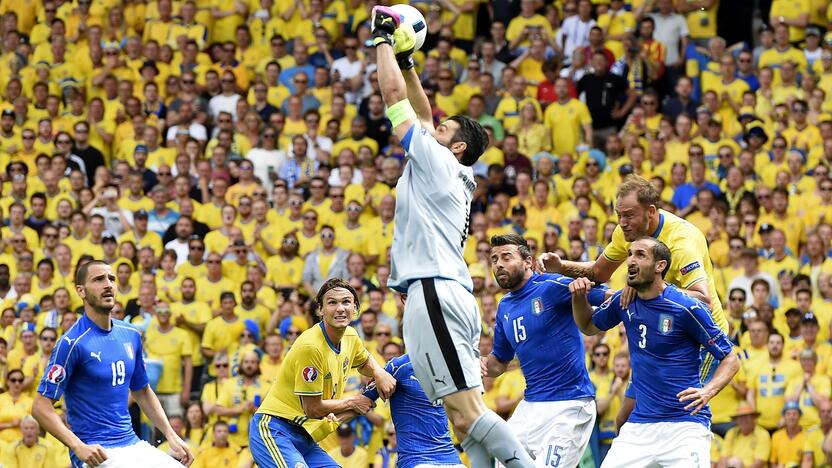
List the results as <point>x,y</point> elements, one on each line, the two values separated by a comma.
<point>519,329</point>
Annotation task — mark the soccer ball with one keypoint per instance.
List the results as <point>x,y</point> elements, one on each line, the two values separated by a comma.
<point>416,19</point>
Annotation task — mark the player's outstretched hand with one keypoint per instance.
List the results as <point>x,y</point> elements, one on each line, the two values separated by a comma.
<point>385,384</point>
<point>180,450</point>
<point>580,287</point>
<point>698,398</point>
<point>549,262</point>
<point>627,296</point>
<point>91,455</point>
<point>360,404</point>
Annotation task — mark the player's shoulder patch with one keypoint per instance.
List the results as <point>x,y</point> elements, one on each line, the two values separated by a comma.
<point>690,267</point>
<point>56,374</point>
<point>309,374</point>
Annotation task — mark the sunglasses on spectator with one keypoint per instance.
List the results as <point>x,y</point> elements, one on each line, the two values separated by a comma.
<point>15,380</point>
<point>48,338</point>
<point>196,247</point>
<point>336,195</point>
<point>737,298</point>
<point>600,353</point>
<point>221,365</point>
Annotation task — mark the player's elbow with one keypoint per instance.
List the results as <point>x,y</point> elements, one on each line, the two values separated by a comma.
<point>313,409</point>
<point>732,363</point>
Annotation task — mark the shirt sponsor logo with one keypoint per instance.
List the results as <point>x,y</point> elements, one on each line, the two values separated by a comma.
<point>309,374</point>
<point>689,268</point>
<point>56,374</point>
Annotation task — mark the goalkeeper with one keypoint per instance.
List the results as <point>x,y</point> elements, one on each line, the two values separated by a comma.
<point>432,213</point>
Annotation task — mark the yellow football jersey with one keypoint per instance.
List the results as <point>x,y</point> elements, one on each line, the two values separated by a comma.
<point>313,366</point>
<point>690,262</point>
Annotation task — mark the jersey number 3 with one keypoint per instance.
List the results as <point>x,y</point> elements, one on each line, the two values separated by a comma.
<point>118,372</point>
<point>642,331</point>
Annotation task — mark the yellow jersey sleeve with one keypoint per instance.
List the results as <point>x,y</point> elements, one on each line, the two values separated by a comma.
<point>689,266</point>
<point>308,368</point>
<point>616,250</point>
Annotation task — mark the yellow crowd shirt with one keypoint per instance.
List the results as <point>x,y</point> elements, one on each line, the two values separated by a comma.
<point>748,448</point>
<point>169,347</point>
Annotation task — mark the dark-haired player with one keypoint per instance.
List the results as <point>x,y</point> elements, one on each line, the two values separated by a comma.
<point>304,404</point>
<point>96,365</point>
<point>441,318</point>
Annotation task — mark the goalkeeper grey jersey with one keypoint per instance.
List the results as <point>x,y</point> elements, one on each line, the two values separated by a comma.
<point>433,206</point>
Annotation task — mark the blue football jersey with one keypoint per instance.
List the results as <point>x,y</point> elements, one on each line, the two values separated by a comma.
<point>421,426</point>
<point>94,370</point>
<point>665,335</point>
<point>535,323</point>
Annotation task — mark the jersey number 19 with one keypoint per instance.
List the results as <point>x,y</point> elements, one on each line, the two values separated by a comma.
<point>118,372</point>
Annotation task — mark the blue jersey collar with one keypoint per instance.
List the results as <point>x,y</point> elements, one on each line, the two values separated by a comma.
<point>336,350</point>
<point>658,230</point>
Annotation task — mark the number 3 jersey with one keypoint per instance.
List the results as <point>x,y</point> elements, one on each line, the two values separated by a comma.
<point>665,335</point>
<point>433,205</point>
<point>95,369</point>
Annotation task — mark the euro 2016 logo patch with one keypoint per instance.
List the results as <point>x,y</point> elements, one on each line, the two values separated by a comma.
<point>537,306</point>
<point>56,374</point>
<point>665,324</point>
<point>689,268</point>
<point>309,374</point>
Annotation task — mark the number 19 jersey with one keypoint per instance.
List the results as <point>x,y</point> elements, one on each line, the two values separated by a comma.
<point>432,213</point>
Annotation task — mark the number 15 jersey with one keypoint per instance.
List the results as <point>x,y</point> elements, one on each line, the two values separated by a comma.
<point>432,212</point>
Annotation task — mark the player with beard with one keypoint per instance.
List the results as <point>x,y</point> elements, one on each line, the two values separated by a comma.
<point>670,424</point>
<point>534,322</point>
<point>96,366</point>
<point>637,206</point>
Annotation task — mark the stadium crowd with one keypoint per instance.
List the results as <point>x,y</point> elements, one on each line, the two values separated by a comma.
<point>227,157</point>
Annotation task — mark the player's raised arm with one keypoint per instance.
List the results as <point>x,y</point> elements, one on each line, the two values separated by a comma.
<point>598,271</point>
<point>385,23</point>
<point>581,309</point>
<point>416,95</point>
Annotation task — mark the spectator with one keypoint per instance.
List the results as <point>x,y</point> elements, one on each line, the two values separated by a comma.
<point>608,98</point>
<point>746,444</point>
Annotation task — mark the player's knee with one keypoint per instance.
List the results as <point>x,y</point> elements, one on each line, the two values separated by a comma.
<point>461,422</point>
